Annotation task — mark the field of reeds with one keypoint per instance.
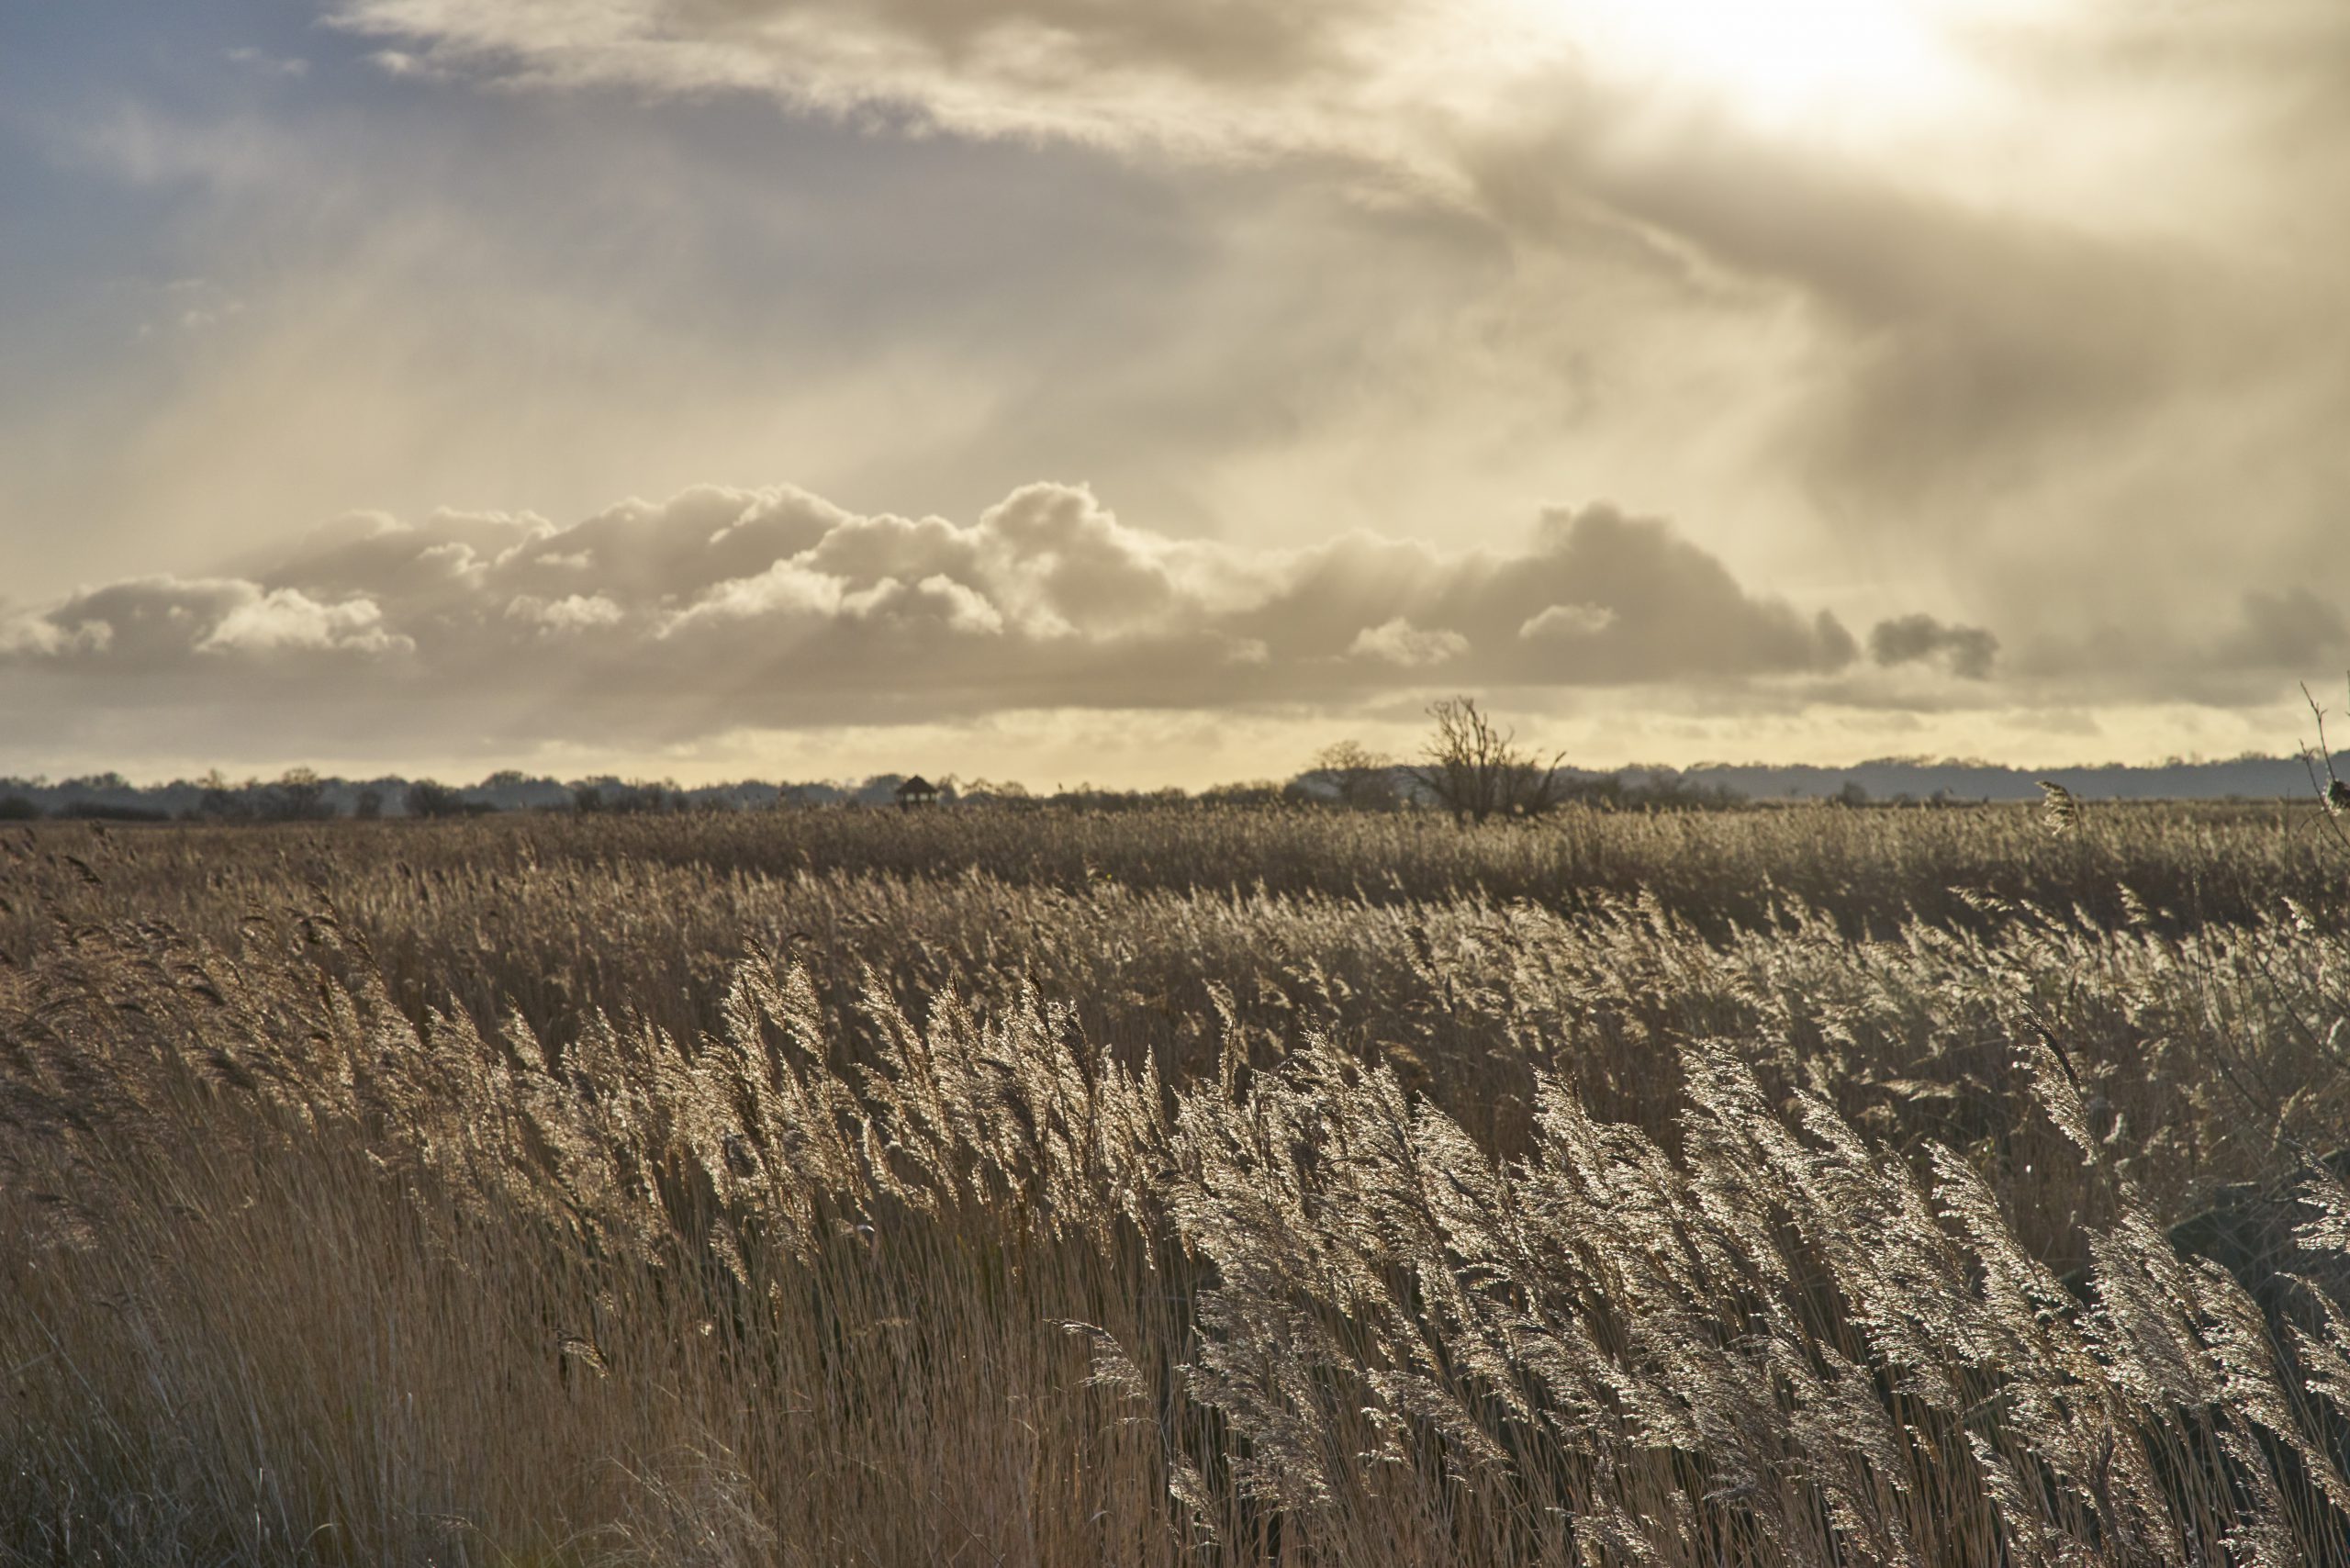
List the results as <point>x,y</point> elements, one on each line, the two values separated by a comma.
<point>830,1187</point>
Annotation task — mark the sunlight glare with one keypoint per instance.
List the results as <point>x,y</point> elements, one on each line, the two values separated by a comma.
<point>1791,63</point>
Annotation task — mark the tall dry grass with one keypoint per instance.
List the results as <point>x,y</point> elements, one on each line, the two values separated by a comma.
<point>572,1192</point>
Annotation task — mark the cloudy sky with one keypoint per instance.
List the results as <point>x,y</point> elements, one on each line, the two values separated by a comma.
<point>1145,391</point>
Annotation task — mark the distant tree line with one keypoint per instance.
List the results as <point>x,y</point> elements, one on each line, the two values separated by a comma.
<point>1471,768</point>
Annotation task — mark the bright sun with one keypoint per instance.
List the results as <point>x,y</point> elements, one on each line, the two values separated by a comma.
<point>1820,63</point>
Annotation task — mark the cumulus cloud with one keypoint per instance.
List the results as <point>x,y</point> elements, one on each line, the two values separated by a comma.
<point>1398,642</point>
<point>573,612</point>
<point>1568,622</point>
<point>1966,651</point>
<point>2109,338</point>
<point>2080,297</point>
<point>145,624</point>
<point>30,635</point>
<point>727,607</point>
<point>282,619</point>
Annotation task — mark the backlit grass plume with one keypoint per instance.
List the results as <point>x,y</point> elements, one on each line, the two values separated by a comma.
<point>1623,1191</point>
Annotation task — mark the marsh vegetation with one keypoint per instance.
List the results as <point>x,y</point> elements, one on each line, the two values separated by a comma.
<point>1803,1186</point>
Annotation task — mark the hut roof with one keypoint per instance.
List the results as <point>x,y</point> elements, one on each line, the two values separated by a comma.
<point>917,785</point>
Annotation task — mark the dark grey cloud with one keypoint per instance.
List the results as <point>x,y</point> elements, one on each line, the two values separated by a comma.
<point>2291,629</point>
<point>725,607</point>
<point>1601,599</point>
<point>1968,650</point>
<point>2254,650</point>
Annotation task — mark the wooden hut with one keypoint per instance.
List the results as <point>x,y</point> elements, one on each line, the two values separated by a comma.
<point>917,791</point>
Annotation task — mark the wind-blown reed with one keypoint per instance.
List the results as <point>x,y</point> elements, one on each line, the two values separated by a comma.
<point>683,1193</point>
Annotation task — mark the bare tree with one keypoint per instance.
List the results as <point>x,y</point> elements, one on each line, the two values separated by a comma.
<point>299,796</point>
<point>223,801</point>
<point>430,798</point>
<point>1477,771</point>
<point>1363,778</point>
<point>2333,794</point>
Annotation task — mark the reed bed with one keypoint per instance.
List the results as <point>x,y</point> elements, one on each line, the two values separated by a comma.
<point>1802,1187</point>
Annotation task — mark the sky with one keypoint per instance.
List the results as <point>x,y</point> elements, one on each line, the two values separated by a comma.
<point>1135,392</point>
